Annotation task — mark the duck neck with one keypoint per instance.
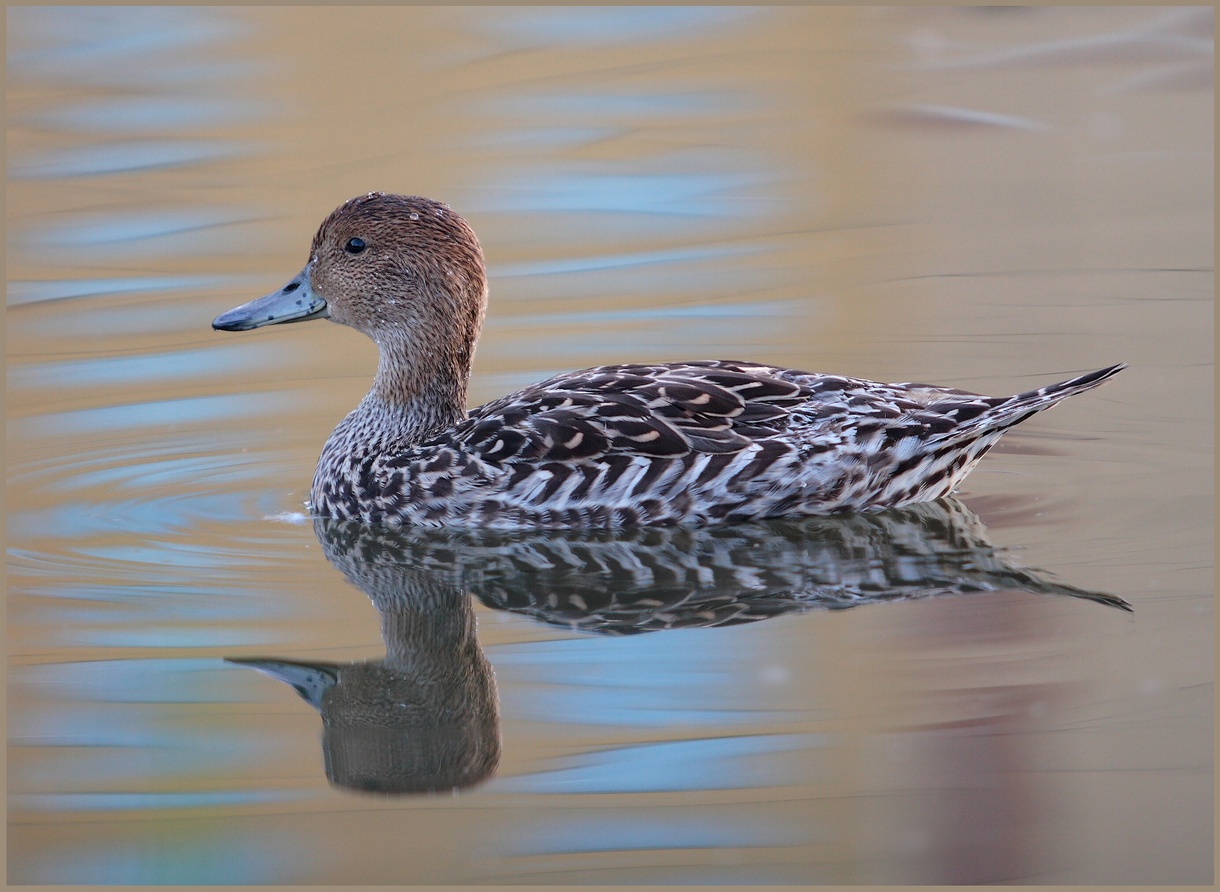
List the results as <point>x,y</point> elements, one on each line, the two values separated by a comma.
<point>419,390</point>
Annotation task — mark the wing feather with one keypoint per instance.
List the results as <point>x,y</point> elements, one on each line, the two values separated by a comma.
<point>647,410</point>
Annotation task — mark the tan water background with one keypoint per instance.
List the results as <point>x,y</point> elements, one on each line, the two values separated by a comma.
<point>983,198</point>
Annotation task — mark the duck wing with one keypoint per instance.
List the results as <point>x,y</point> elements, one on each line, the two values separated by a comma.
<point>660,411</point>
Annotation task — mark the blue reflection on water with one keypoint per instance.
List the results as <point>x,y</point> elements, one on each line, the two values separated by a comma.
<point>172,599</point>
<point>627,705</point>
<point>659,192</point>
<point>602,108</point>
<point>170,858</point>
<point>128,115</point>
<point>741,314</point>
<point>104,230</point>
<point>156,680</point>
<point>553,138</point>
<point>155,513</point>
<point>160,54</point>
<point>685,677</point>
<point>21,292</point>
<point>634,259</point>
<point>665,288</point>
<point>119,468</point>
<point>644,336</point>
<point>152,606</point>
<point>590,26</point>
<point>157,413</point>
<point>76,43</point>
<point>122,633</point>
<point>648,829</point>
<point>665,195</point>
<point>157,554</point>
<point>123,801</point>
<point>76,728</point>
<point>112,371</point>
<point>132,725</point>
<point>151,473</point>
<point>718,763</point>
<point>129,155</point>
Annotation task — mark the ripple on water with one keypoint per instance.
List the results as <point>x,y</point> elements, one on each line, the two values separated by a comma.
<point>73,43</point>
<point>180,859</point>
<point>129,514</point>
<point>165,415</point>
<point>166,368</point>
<point>124,115</point>
<point>594,26</point>
<point>127,156</point>
<point>709,763</point>
<point>150,233</point>
<point>33,291</point>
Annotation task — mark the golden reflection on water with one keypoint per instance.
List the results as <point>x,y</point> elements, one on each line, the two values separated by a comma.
<point>977,197</point>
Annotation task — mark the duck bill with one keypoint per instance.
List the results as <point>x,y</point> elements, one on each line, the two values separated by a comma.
<point>295,302</point>
<point>311,680</point>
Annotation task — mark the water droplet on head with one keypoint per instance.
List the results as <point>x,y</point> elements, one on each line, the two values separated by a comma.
<point>414,216</point>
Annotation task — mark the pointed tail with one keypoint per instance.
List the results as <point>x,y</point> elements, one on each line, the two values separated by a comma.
<point>981,416</point>
<point>1053,393</point>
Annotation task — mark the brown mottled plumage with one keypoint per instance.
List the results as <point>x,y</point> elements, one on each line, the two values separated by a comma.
<point>692,442</point>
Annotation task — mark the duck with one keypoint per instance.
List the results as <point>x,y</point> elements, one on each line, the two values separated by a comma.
<point>698,442</point>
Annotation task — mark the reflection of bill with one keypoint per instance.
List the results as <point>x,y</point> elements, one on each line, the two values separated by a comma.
<point>427,717</point>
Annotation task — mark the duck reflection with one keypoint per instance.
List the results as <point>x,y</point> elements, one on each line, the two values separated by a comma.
<point>426,717</point>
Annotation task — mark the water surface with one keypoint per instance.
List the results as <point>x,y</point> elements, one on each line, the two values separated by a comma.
<point>983,198</point>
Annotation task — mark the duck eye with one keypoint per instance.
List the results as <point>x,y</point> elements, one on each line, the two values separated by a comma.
<point>354,245</point>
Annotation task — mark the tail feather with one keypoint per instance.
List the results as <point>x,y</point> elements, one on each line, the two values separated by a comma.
<point>1053,393</point>
<point>983,417</point>
<point>981,423</point>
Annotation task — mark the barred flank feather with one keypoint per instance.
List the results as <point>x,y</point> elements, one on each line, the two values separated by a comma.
<point>696,442</point>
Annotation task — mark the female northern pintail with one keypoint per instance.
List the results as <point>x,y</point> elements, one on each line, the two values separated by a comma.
<point>686,442</point>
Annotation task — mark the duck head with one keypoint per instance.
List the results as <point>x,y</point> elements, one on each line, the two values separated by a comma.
<point>404,270</point>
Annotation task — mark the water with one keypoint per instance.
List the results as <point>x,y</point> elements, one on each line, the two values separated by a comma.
<point>983,198</point>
